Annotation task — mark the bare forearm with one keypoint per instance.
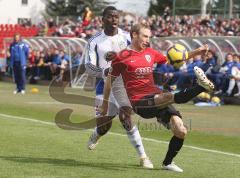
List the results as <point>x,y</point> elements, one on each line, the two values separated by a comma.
<point>191,54</point>
<point>199,51</point>
<point>107,88</point>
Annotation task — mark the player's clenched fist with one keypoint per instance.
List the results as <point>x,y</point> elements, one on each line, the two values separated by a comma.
<point>111,55</point>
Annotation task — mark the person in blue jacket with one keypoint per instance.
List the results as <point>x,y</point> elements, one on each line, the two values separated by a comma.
<point>210,61</point>
<point>18,60</point>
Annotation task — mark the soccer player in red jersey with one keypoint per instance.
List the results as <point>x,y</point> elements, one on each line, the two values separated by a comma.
<point>135,65</point>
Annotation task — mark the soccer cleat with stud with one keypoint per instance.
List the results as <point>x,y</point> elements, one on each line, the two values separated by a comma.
<point>172,167</point>
<point>146,163</point>
<point>202,79</point>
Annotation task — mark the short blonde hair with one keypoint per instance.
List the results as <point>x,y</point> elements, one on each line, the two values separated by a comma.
<point>137,27</point>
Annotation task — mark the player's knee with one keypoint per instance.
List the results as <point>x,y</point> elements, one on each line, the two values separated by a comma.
<point>125,113</point>
<point>125,117</point>
<point>178,127</point>
<point>181,133</point>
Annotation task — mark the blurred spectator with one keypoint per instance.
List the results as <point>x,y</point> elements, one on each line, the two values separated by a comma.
<point>234,77</point>
<point>51,23</point>
<point>8,67</point>
<point>48,58</point>
<point>64,64</point>
<point>56,62</point>
<point>87,16</point>
<point>221,77</point>
<point>209,62</point>
<point>77,57</point>
<point>166,13</point>
<point>31,63</point>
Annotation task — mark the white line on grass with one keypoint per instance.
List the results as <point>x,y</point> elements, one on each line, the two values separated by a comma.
<point>123,135</point>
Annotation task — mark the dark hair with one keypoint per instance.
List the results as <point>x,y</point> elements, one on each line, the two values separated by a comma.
<point>136,28</point>
<point>109,8</point>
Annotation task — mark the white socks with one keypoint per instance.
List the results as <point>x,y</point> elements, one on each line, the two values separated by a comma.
<point>136,141</point>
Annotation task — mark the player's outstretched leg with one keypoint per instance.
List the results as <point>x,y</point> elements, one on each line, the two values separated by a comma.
<point>204,84</point>
<point>175,144</point>
<point>134,136</point>
<point>164,99</point>
<point>103,126</point>
<point>202,79</point>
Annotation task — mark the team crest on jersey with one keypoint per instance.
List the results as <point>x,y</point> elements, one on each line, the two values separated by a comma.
<point>148,58</point>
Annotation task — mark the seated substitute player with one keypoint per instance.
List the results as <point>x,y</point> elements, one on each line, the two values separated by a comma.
<point>135,65</point>
<point>111,39</point>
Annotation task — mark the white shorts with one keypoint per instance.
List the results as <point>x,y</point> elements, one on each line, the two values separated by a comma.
<point>118,98</point>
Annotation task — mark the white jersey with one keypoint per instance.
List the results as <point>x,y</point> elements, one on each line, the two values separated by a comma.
<point>95,62</point>
<point>99,45</point>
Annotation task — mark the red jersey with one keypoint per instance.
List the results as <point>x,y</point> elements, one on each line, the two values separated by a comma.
<point>136,69</point>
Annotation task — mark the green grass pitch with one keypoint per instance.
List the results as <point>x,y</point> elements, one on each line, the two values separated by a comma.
<point>32,146</point>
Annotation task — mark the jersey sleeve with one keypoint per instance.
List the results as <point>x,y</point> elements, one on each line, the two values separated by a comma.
<point>91,56</point>
<point>159,58</point>
<point>91,60</point>
<point>128,39</point>
<point>117,67</point>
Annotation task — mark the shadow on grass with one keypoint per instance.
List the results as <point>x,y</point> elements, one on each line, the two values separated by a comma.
<point>71,162</point>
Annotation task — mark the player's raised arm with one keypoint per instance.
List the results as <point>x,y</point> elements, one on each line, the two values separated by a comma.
<point>199,51</point>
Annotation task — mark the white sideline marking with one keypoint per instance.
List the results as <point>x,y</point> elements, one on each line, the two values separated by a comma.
<point>118,134</point>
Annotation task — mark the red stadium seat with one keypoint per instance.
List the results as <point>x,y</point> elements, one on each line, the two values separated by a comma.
<point>8,31</point>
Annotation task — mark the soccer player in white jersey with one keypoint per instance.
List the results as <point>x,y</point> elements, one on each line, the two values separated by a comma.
<point>112,39</point>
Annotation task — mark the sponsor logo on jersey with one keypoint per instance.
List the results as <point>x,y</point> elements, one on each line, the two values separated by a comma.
<point>143,70</point>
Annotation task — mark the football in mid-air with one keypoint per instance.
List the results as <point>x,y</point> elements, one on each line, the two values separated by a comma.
<point>177,54</point>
